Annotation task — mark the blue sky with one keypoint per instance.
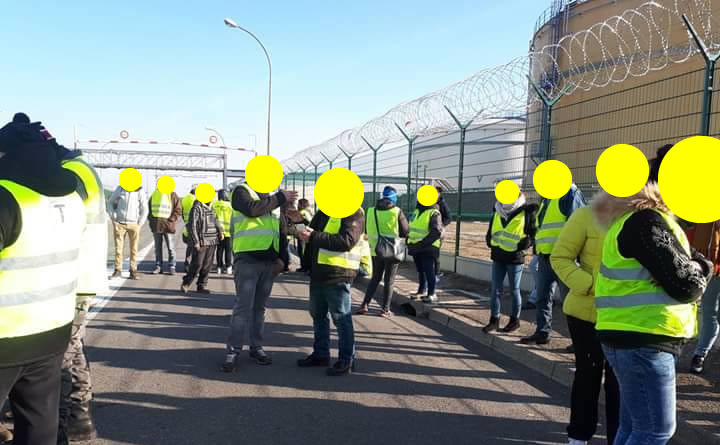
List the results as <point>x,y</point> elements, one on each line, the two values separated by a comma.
<point>167,69</point>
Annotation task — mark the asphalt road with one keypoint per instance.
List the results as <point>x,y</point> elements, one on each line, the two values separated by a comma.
<point>156,354</point>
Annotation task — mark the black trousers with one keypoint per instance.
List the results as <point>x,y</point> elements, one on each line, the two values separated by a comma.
<point>224,253</point>
<point>425,266</point>
<point>381,269</point>
<point>301,253</point>
<point>285,250</point>
<point>590,366</point>
<point>34,393</point>
<point>188,253</point>
<point>200,265</point>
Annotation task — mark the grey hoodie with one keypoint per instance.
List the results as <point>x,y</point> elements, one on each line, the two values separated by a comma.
<point>128,207</point>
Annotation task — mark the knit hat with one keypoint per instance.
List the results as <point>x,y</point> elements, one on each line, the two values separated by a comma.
<point>390,194</point>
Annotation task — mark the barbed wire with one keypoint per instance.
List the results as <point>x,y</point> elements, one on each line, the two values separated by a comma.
<point>629,45</point>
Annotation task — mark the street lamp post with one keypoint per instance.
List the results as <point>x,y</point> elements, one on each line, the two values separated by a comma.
<point>232,24</point>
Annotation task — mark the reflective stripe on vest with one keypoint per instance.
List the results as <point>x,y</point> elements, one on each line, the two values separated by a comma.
<point>628,300</point>
<point>93,247</point>
<point>187,203</point>
<point>550,227</point>
<point>420,226</point>
<point>223,212</point>
<point>508,237</point>
<point>388,220</point>
<point>39,271</point>
<point>160,205</point>
<point>255,234</point>
<point>346,260</point>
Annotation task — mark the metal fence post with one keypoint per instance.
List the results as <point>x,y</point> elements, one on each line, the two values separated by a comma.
<point>330,161</point>
<point>461,167</point>
<point>547,125</point>
<point>710,62</point>
<point>411,142</point>
<point>303,170</point>
<point>347,156</point>
<point>374,150</point>
<point>314,181</point>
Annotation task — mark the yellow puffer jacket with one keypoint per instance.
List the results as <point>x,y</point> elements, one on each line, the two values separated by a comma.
<point>581,239</point>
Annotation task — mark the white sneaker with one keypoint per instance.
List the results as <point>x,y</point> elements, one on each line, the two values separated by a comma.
<point>577,442</point>
<point>432,299</point>
<point>228,271</point>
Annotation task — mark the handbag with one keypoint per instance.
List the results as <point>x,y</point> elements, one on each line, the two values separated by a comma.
<point>388,248</point>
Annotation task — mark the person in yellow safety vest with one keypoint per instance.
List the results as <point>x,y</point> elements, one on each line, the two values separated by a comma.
<point>645,293</point>
<point>387,220</point>
<point>510,233</point>
<point>187,203</point>
<point>307,213</point>
<point>426,232</point>
<point>337,248</point>
<point>551,218</point>
<point>255,231</point>
<point>39,275</point>
<point>223,213</point>
<point>165,210</point>
<point>76,422</point>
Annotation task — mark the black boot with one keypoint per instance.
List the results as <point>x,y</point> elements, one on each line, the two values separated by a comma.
<point>512,326</point>
<point>492,325</point>
<point>80,425</point>
<point>312,361</point>
<point>341,367</point>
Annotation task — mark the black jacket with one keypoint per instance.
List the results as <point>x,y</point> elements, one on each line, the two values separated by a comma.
<point>351,229</point>
<point>518,256</point>
<point>32,161</point>
<point>425,247</point>
<point>243,203</point>
<point>444,211</point>
<point>403,225</point>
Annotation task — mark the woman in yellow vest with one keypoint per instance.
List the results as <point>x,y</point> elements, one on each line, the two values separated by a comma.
<point>576,260</point>
<point>510,233</point>
<point>424,245</point>
<point>645,294</point>
<point>223,213</point>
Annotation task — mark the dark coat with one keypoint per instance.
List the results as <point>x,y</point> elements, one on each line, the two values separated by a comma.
<point>165,225</point>
<point>351,229</point>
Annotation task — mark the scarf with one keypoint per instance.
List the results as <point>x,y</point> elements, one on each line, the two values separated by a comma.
<point>504,210</point>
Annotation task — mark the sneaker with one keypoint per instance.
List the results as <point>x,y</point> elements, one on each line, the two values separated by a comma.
<point>185,288</point>
<point>203,290</point>
<point>116,274</point>
<point>697,365</point>
<point>417,295</point>
<point>341,368</point>
<point>172,271</point>
<point>312,361</point>
<point>430,299</point>
<point>512,326</point>
<point>362,310</point>
<point>260,357</point>
<point>228,271</point>
<point>230,360</point>
<point>492,325</point>
<point>386,313</point>
<point>157,270</point>
<point>537,338</point>
<point>134,275</point>
<point>80,427</point>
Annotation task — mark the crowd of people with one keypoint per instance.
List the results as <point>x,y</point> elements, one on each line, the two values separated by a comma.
<point>629,272</point>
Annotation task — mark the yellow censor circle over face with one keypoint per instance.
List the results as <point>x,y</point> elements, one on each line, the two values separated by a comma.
<point>427,195</point>
<point>205,192</point>
<point>507,192</point>
<point>622,170</point>
<point>552,179</point>
<point>264,173</point>
<point>339,193</point>
<point>165,185</point>
<point>130,179</point>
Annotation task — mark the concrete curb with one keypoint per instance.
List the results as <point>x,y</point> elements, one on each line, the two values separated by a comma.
<point>560,372</point>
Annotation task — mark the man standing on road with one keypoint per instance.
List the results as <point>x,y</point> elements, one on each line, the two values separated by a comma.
<point>164,212</point>
<point>187,203</point>
<point>223,214</point>
<point>256,246</point>
<point>76,422</point>
<point>336,250</point>
<point>128,211</point>
<point>39,273</point>
<point>307,214</point>
<point>205,232</point>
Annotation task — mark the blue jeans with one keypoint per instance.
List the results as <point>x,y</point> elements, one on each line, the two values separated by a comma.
<point>647,395</point>
<point>427,278</point>
<point>709,327</point>
<point>544,280</point>
<point>514,273</point>
<point>169,240</point>
<point>335,299</point>
<point>533,295</point>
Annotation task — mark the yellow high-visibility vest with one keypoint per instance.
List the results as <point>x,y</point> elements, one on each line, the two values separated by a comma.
<point>39,272</point>
<point>627,299</point>
<point>187,203</point>
<point>160,205</point>
<point>550,227</point>
<point>93,246</point>
<point>223,212</point>
<point>388,221</point>
<point>420,226</point>
<point>255,234</point>
<point>507,238</point>
<point>353,259</point>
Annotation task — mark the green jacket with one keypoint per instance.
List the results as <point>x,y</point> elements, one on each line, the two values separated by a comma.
<point>581,239</point>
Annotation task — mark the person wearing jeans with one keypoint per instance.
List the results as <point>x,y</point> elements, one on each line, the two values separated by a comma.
<point>426,231</point>
<point>510,233</point>
<point>706,239</point>
<point>576,260</point>
<point>165,209</point>
<point>387,220</point>
<point>645,294</point>
<point>337,252</point>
